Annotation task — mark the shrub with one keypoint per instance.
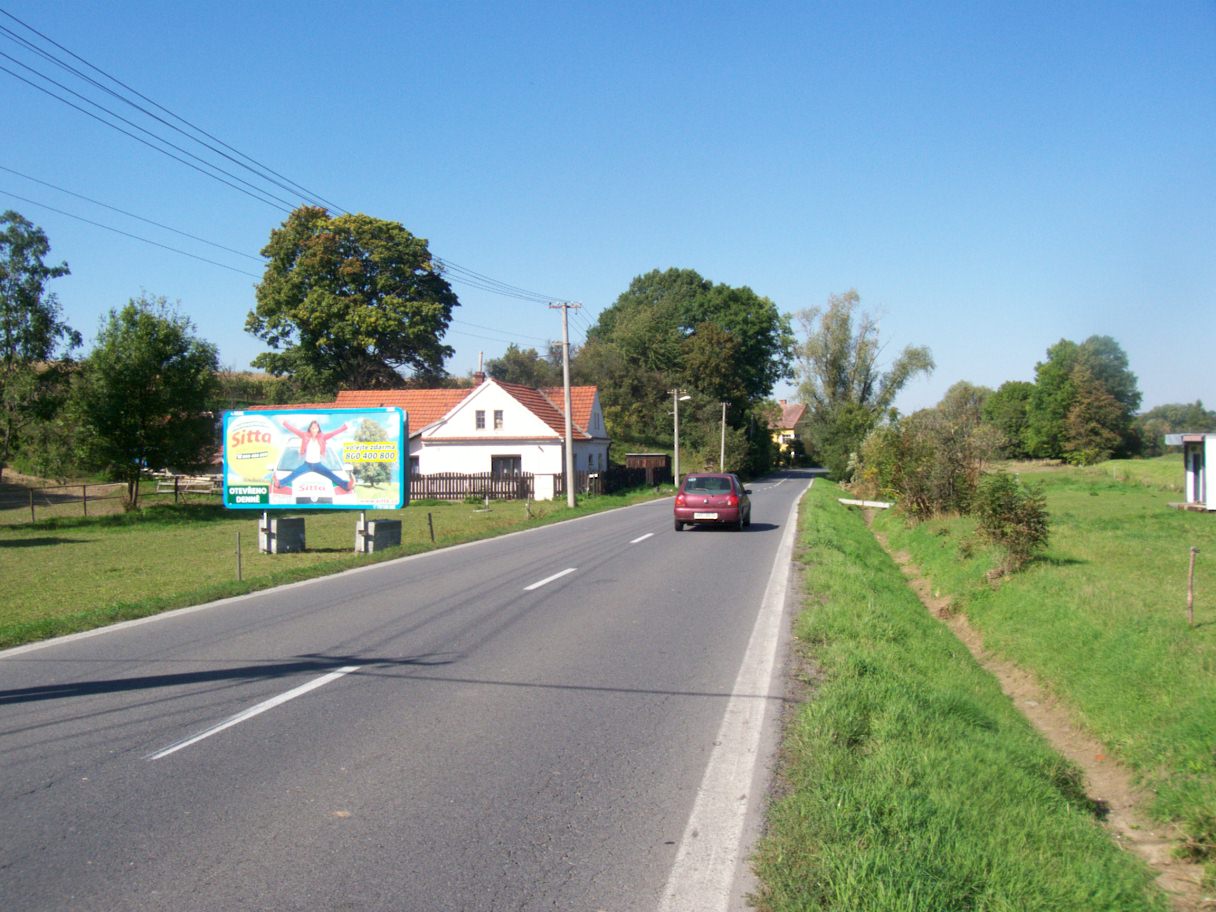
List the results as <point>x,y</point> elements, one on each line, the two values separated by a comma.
<point>1012,516</point>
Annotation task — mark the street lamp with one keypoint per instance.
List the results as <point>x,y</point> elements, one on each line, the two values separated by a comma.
<point>676,399</point>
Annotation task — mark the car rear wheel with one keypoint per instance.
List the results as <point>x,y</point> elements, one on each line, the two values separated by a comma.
<point>679,526</point>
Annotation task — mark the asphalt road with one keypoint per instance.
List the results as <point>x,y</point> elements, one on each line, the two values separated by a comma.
<point>519,724</point>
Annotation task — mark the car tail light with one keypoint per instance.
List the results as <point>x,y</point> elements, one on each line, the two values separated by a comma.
<point>680,499</point>
<point>732,500</point>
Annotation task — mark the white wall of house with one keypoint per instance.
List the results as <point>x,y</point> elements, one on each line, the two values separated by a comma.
<point>492,423</point>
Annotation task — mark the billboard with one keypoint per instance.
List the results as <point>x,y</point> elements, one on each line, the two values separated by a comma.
<point>333,459</point>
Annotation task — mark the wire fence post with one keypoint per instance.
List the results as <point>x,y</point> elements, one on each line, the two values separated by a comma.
<point>33,518</point>
<point>431,525</point>
<point>1190,590</point>
<point>84,498</point>
<point>238,556</point>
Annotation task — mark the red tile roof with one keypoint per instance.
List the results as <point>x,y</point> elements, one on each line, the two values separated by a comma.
<point>547,405</point>
<point>582,398</point>
<point>425,406</point>
<point>791,414</point>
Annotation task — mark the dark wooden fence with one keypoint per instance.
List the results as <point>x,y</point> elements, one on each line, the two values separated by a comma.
<point>454,486</point>
<point>614,478</point>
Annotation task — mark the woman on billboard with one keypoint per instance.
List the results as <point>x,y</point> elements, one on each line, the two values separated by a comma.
<point>312,452</point>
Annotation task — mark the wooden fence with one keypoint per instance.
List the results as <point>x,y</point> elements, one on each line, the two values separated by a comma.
<point>19,505</point>
<point>454,486</point>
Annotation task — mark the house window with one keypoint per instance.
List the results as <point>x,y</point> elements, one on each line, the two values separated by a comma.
<point>414,466</point>
<point>480,417</point>
<point>498,419</point>
<point>505,467</point>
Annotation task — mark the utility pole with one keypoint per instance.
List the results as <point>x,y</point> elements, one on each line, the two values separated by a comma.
<point>722,449</point>
<point>565,309</point>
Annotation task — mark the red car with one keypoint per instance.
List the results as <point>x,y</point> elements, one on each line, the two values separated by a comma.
<point>713,498</point>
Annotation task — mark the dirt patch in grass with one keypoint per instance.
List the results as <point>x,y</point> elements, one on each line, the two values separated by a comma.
<point>1117,802</point>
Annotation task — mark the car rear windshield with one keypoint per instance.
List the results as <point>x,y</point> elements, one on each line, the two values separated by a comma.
<point>712,484</point>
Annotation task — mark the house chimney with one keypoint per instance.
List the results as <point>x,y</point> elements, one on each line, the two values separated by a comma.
<point>479,375</point>
<point>783,402</point>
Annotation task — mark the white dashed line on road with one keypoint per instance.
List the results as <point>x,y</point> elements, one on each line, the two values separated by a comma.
<point>549,579</point>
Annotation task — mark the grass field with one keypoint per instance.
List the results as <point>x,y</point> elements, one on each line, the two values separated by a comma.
<point>1100,619</point>
<point>73,573</point>
<point>910,782</point>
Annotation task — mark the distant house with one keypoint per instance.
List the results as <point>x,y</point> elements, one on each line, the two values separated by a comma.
<point>1197,451</point>
<point>503,429</point>
<point>787,427</point>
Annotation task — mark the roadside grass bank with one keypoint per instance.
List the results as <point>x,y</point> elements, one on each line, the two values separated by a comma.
<point>908,780</point>
<point>71,574</point>
<point>1100,620</point>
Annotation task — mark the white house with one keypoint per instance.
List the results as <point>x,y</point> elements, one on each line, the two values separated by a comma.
<point>501,428</point>
<point>1197,451</point>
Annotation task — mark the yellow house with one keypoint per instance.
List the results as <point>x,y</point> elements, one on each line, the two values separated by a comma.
<point>785,428</point>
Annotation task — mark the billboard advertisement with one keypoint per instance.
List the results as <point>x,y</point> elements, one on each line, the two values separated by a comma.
<point>334,459</point>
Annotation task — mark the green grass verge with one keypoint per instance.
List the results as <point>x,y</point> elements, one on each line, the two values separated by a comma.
<point>70,574</point>
<point>1100,619</point>
<point>909,781</point>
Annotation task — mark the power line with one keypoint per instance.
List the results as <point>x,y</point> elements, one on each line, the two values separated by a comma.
<point>193,237</point>
<point>456,273</point>
<point>266,170</point>
<point>81,218</point>
<point>136,126</point>
<point>142,140</point>
<point>514,335</point>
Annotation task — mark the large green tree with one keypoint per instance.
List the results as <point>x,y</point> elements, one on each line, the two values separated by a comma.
<point>34,340</point>
<point>1005,410</point>
<point>675,329</point>
<point>350,302</point>
<point>143,394</point>
<point>1099,361</point>
<point>843,384</point>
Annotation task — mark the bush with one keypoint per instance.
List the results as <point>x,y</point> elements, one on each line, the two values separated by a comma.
<point>1012,516</point>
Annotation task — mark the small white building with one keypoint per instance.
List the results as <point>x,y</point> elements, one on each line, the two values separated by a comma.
<point>501,428</point>
<point>1197,451</point>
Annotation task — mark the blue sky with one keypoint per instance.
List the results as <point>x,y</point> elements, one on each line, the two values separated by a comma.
<point>990,177</point>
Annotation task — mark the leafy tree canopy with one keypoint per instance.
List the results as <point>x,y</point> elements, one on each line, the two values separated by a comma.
<point>1098,360</point>
<point>843,384</point>
<point>350,302</point>
<point>527,367</point>
<point>675,329</point>
<point>33,337</point>
<point>1005,410</point>
<point>144,391</point>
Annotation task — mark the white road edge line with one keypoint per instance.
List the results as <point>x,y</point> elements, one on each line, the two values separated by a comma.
<point>643,538</point>
<point>254,711</point>
<point>702,878</point>
<point>549,579</point>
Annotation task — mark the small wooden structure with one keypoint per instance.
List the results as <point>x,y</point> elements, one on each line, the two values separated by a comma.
<point>1197,451</point>
<point>656,465</point>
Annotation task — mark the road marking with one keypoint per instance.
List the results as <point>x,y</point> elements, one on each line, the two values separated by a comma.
<point>254,711</point>
<point>703,877</point>
<point>549,579</point>
<point>643,538</point>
